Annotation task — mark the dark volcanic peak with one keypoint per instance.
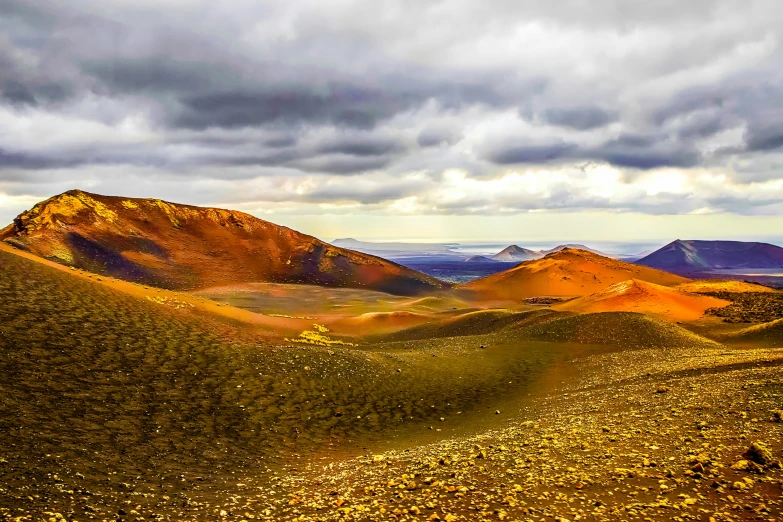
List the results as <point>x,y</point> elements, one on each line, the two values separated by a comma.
<point>695,255</point>
<point>480,259</point>
<point>183,246</point>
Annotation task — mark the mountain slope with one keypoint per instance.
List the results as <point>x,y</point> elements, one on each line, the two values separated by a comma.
<point>565,273</point>
<point>183,246</point>
<point>634,295</point>
<point>690,256</point>
<point>516,253</point>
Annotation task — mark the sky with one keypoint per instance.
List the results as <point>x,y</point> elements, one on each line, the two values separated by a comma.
<point>427,120</point>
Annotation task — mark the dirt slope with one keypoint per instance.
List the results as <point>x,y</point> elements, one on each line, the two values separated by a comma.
<point>766,334</point>
<point>569,272</point>
<point>478,322</point>
<point>186,247</point>
<point>634,295</point>
<point>630,330</point>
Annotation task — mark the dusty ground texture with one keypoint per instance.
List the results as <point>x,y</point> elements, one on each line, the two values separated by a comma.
<point>640,437</point>
<point>116,407</point>
<point>637,435</point>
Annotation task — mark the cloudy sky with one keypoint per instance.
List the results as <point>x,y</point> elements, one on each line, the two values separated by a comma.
<point>520,119</point>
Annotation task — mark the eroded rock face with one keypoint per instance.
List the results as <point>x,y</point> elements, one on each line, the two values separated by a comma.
<point>183,246</point>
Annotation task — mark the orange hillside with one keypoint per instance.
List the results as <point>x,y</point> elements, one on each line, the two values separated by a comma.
<point>569,272</point>
<point>634,295</point>
<point>185,247</point>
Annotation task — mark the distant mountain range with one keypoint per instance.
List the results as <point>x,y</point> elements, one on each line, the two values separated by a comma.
<point>697,256</point>
<point>395,248</point>
<point>185,247</point>
<point>450,252</point>
<point>515,253</point>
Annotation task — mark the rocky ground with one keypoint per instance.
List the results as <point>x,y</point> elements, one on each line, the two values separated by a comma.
<point>688,437</point>
<point>675,434</point>
<point>748,307</point>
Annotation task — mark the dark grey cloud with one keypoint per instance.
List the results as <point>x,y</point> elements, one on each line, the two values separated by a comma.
<point>361,146</point>
<point>16,93</point>
<point>529,153</point>
<point>20,86</point>
<point>645,152</point>
<point>703,125</point>
<point>370,195</point>
<point>16,161</point>
<point>301,89</point>
<point>689,101</point>
<point>341,164</point>
<point>438,135</point>
<point>765,137</point>
<point>628,150</point>
<point>580,118</point>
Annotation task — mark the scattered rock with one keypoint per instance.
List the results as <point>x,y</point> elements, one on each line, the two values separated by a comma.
<point>759,453</point>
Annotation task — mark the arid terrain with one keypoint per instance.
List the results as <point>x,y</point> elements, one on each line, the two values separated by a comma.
<point>184,247</point>
<point>570,387</point>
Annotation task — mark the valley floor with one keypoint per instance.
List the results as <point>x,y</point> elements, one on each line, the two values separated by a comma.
<point>632,435</point>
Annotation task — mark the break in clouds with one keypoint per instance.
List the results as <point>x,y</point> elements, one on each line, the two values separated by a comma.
<point>452,107</point>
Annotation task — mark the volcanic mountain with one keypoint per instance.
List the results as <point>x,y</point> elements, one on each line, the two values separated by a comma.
<point>634,295</point>
<point>694,256</point>
<point>480,259</point>
<point>569,272</point>
<point>184,247</point>
<point>516,253</point>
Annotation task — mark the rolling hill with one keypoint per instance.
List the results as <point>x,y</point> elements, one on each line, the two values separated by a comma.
<point>694,256</point>
<point>477,322</point>
<point>634,295</point>
<point>766,334</point>
<point>569,272</point>
<point>185,247</point>
<point>630,330</point>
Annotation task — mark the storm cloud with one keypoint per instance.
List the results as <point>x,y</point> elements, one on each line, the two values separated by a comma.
<point>375,105</point>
